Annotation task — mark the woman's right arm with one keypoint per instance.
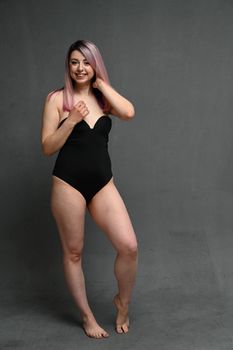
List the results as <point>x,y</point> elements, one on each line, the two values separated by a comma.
<point>52,137</point>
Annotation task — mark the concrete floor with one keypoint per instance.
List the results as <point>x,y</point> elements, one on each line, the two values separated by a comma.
<point>37,317</point>
<point>183,293</point>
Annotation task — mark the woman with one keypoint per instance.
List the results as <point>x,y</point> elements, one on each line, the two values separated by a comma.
<point>76,122</point>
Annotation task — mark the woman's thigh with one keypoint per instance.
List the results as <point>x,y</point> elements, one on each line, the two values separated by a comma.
<point>109,212</point>
<point>68,208</point>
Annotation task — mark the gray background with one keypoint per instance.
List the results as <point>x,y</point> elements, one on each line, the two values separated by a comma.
<point>172,164</point>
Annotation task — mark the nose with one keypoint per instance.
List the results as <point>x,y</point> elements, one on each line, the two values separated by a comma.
<point>80,67</point>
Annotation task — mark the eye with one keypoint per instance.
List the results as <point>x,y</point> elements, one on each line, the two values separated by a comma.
<point>87,63</point>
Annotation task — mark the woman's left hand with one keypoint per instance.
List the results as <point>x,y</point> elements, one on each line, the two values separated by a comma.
<point>96,83</point>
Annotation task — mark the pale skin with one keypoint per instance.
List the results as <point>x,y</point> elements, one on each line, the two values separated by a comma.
<point>107,208</point>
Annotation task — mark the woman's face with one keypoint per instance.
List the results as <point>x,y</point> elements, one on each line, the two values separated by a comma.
<point>80,69</point>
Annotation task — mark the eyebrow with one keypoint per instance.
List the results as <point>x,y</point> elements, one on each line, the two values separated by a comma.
<point>76,59</point>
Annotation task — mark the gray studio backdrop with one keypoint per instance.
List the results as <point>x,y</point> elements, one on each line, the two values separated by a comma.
<point>173,164</point>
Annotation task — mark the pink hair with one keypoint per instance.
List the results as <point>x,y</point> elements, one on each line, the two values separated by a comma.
<point>93,56</point>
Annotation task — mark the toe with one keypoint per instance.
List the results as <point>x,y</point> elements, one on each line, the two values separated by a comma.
<point>119,329</point>
<point>125,328</point>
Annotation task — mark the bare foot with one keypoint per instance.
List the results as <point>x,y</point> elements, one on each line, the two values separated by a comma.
<point>122,320</point>
<point>92,329</point>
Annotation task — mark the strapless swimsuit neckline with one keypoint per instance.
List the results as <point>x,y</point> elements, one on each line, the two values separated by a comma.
<point>102,116</point>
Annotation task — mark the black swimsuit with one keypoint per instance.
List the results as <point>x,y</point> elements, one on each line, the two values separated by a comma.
<point>83,161</point>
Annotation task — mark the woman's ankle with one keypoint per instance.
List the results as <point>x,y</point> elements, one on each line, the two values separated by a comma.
<point>87,316</point>
<point>124,301</point>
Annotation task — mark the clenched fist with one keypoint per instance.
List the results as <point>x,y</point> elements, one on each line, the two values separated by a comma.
<point>78,112</point>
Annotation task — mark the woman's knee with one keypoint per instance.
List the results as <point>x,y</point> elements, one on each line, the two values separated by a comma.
<point>73,255</point>
<point>129,249</point>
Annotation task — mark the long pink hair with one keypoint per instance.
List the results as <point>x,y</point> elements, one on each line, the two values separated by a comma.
<point>93,56</point>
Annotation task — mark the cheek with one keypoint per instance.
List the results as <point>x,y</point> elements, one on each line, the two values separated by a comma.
<point>71,69</point>
<point>92,72</point>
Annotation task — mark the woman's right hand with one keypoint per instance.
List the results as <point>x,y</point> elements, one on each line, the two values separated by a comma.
<point>78,112</point>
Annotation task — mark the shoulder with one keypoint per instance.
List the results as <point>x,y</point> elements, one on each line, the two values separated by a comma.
<point>55,98</point>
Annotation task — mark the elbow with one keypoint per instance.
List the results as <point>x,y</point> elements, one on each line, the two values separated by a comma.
<point>130,113</point>
<point>45,150</point>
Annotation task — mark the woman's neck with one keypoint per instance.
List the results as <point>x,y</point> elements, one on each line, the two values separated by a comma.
<point>84,90</point>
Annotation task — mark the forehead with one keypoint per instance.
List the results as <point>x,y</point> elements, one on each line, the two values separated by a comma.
<point>77,54</point>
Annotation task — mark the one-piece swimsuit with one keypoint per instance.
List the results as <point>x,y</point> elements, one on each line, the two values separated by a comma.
<point>83,161</point>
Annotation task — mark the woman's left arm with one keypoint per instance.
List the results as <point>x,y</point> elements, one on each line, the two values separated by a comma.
<point>120,106</point>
